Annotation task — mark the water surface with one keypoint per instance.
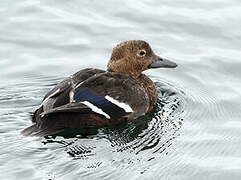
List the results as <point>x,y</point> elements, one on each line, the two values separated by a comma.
<point>194,133</point>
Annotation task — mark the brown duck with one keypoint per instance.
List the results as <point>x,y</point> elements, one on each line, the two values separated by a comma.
<point>95,98</point>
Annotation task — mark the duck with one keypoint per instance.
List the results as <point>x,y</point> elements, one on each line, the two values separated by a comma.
<point>93,98</point>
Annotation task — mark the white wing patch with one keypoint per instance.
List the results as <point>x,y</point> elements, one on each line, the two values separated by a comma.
<point>78,85</point>
<point>124,106</point>
<point>71,96</point>
<point>95,109</point>
<point>71,93</point>
<point>51,95</point>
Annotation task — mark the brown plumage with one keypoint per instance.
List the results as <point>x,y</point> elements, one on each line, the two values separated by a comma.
<point>95,98</point>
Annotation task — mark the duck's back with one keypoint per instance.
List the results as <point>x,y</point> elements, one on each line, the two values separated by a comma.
<point>89,98</point>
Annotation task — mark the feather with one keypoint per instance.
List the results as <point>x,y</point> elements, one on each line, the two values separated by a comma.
<point>111,109</point>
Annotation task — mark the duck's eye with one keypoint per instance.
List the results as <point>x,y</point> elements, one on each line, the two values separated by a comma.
<point>141,53</point>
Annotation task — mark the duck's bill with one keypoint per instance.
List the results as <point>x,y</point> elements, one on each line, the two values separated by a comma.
<point>159,62</point>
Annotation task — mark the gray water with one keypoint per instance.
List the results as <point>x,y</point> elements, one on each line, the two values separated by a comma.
<point>195,130</point>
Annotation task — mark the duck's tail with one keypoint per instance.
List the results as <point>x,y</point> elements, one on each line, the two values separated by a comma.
<point>34,130</point>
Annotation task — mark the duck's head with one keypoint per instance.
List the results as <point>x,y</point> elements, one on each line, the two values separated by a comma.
<point>134,57</point>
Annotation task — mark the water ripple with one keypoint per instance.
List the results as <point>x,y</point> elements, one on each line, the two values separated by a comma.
<point>139,141</point>
<point>194,132</point>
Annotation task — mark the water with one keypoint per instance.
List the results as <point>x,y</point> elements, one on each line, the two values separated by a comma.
<point>194,132</point>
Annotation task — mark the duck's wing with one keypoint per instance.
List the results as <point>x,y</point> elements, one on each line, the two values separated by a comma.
<point>58,96</point>
<point>76,78</point>
<point>100,100</point>
<point>111,95</point>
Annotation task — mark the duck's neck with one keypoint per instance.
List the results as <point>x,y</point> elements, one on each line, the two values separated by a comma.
<point>150,88</point>
<point>123,66</point>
